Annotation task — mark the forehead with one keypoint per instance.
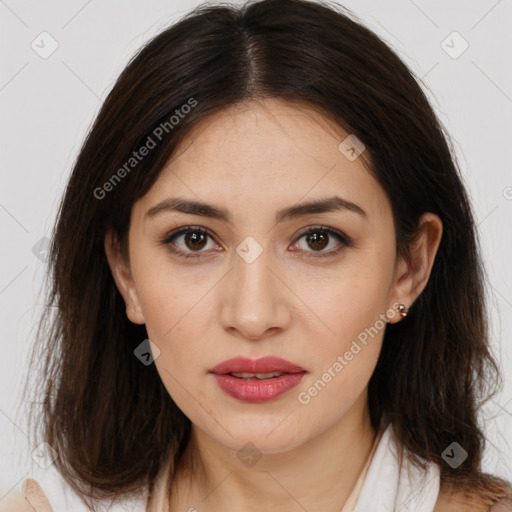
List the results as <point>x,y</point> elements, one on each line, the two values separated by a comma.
<point>266,152</point>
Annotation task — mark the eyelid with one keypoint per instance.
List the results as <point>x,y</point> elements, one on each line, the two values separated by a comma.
<point>186,229</point>
<point>345,240</point>
<point>332,231</point>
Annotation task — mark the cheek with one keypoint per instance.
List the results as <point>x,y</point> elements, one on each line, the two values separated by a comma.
<point>168,297</point>
<point>175,322</point>
<point>344,365</point>
<point>352,300</point>
<point>352,306</point>
<point>176,325</point>
<point>332,394</point>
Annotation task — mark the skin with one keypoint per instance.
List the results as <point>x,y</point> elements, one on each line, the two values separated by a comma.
<point>254,159</point>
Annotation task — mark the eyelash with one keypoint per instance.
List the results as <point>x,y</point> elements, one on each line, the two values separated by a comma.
<point>344,240</point>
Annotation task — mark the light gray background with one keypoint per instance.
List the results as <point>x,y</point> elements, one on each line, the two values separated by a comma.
<point>48,104</point>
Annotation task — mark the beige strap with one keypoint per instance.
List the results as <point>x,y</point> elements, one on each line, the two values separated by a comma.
<point>33,493</point>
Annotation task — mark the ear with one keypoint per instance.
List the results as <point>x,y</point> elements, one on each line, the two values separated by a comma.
<point>412,278</point>
<point>123,278</point>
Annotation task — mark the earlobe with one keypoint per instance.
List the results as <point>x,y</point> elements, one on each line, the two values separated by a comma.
<point>412,277</point>
<point>123,278</point>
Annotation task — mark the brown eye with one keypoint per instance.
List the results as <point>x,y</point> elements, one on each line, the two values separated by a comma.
<point>319,238</point>
<point>317,241</point>
<point>187,241</point>
<point>195,240</point>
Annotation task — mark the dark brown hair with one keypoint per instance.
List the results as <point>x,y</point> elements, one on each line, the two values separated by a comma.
<point>110,417</point>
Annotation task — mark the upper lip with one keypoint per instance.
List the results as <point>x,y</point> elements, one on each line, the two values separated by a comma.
<point>266,364</point>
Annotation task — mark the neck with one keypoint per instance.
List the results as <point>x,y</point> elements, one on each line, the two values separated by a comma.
<point>317,475</point>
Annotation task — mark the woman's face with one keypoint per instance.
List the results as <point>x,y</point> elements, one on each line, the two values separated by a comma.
<point>255,285</point>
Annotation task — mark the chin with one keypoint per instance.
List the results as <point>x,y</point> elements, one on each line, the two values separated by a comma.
<point>269,433</point>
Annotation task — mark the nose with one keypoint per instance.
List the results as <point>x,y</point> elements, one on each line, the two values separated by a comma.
<point>256,301</point>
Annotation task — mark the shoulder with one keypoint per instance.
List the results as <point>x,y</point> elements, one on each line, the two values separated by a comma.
<point>502,506</point>
<point>455,502</point>
<point>459,502</point>
<point>15,502</point>
<point>30,498</point>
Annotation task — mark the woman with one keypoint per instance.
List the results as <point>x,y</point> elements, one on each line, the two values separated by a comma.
<point>267,283</point>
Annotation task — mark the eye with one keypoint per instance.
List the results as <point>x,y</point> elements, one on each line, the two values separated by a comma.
<point>193,239</point>
<point>318,238</point>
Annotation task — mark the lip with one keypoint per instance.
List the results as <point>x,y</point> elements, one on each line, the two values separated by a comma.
<point>257,390</point>
<point>262,365</point>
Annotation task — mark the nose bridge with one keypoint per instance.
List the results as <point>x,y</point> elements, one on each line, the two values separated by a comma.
<point>251,268</point>
<point>255,303</point>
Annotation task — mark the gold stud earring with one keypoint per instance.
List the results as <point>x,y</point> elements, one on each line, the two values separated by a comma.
<point>403,310</point>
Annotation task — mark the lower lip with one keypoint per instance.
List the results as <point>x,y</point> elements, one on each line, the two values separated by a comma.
<point>258,390</point>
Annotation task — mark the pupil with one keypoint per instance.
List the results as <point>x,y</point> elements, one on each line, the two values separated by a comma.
<point>318,240</point>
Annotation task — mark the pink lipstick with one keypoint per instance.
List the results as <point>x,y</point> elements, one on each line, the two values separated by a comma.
<point>257,380</point>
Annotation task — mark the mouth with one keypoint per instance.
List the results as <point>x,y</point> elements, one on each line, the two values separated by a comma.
<point>258,376</point>
<point>262,368</point>
<point>257,380</point>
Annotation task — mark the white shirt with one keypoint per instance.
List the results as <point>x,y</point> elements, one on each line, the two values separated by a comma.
<point>383,486</point>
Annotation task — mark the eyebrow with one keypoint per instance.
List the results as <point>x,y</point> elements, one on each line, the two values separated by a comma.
<point>330,204</point>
